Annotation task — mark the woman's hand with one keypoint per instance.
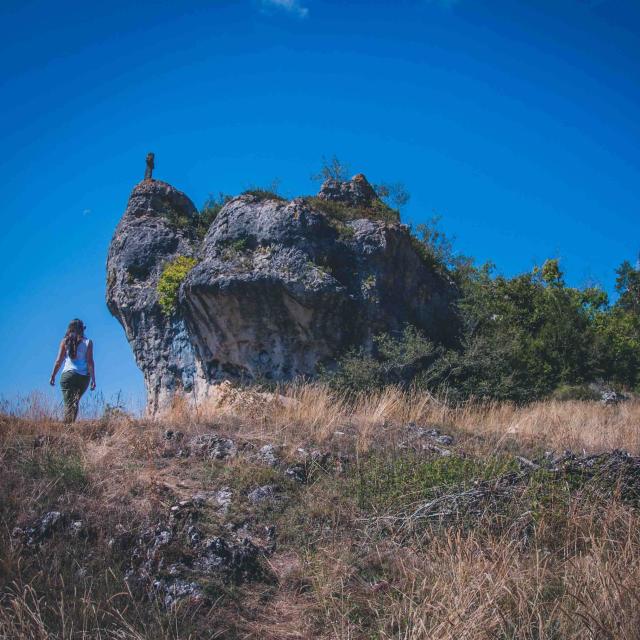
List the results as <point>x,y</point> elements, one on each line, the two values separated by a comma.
<point>52,380</point>
<point>92,386</point>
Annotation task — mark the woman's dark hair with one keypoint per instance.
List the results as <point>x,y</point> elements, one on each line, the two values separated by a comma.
<point>73,337</point>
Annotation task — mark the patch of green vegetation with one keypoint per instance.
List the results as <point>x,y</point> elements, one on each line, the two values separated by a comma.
<point>209,213</point>
<point>66,469</point>
<point>519,339</point>
<point>218,591</point>
<point>385,481</point>
<point>239,245</point>
<point>234,248</point>
<point>177,219</point>
<point>169,283</point>
<point>575,392</point>
<point>263,194</point>
<point>395,360</point>
<point>239,478</point>
<point>266,192</point>
<point>332,169</point>
<point>338,212</point>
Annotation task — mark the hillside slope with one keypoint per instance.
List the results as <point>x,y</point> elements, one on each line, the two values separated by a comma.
<point>303,516</point>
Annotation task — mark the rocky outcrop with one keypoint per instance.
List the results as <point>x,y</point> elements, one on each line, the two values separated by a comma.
<point>356,192</point>
<point>279,287</point>
<point>148,237</point>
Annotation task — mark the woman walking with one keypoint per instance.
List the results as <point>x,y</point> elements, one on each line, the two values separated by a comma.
<point>76,351</point>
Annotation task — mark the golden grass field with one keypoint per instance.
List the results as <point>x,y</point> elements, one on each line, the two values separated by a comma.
<point>559,559</point>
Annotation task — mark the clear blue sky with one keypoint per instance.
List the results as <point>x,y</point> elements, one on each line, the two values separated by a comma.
<point>517,121</point>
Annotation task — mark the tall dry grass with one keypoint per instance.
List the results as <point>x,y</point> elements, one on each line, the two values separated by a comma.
<point>570,572</point>
<point>313,412</point>
<point>476,586</point>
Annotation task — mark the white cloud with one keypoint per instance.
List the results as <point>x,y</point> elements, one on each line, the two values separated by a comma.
<point>290,6</point>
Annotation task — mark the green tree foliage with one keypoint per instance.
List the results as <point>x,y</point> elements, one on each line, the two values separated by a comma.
<point>523,338</point>
<point>395,360</point>
<point>628,287</point>
<point>333,169</point>
<point>209,212</point>
<point>170,280</point>
<point>395,194</point>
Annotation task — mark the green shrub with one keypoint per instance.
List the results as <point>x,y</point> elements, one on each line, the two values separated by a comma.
<point>177,219</point>
<point>395,360</point>
<point>169,283</point>
<point>332,169</point>
<point>266,192</point>
<point>339,213</point>
<point>238,245</point>
<point>263,194</point>
<point>232,248</point>
<point>435,248</point>
<point>575,392</point>
<point>386,481</point>
<point>209,213</point>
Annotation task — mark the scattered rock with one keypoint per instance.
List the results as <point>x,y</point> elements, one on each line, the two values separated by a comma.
<point>183,510</point>
<point>526,463</point>
<point>43,528</point>
<point>49,524</point>
<point>172,590</point>
<point>260,494</point>
<point>269,455</point>
<point>193,535</point>
<point>612,398</point>
<point>424,438</point>
<point>228,559</point>
<point>220,499</point>
<point>297,472</point>
<point>223,498</point>
<point>439,450</point>
<point>611,472</point>
<point>212,446</point>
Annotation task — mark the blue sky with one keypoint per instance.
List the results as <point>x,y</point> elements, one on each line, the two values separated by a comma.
<point>516,121</point>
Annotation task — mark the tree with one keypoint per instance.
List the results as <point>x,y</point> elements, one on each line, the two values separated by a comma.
<point>628,287</point>
<point>332,169</point>
<point>394,194</point>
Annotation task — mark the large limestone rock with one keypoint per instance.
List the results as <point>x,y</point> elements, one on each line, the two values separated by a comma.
<point>279,288</point>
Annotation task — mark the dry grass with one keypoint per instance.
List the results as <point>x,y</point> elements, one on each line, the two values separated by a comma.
<point>313,413</point>
<point>558,564</point>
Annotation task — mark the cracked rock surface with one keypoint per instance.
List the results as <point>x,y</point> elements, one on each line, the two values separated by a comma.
<point>280,287</point>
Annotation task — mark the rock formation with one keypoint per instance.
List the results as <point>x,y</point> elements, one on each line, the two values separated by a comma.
<point>279,286</point>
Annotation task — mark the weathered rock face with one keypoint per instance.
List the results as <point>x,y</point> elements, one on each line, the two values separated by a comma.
<point>279,287</point>
<point>356,192</point>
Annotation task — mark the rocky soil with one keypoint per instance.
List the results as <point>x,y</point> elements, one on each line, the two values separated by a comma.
<point>297,517</point>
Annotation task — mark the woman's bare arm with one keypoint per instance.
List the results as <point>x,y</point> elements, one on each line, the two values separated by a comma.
<point>91,365</point>
<point>62,353</point>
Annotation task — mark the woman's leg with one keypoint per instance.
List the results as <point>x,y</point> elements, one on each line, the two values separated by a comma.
<point>73,385</point>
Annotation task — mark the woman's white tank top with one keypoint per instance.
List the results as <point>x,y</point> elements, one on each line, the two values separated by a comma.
<point>79,363</point>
